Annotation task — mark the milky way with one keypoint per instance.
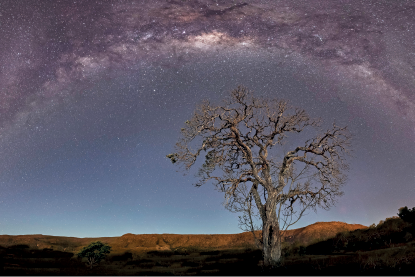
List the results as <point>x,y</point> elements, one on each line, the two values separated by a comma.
<point>54,55</point>
<point>47,45</point>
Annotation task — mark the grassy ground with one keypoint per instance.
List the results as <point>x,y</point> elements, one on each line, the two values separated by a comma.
<point>392,261</point>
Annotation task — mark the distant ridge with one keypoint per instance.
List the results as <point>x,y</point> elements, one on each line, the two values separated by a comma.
<point>150,242</point>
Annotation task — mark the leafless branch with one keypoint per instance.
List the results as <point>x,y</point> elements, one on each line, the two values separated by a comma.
<point>237,138</point>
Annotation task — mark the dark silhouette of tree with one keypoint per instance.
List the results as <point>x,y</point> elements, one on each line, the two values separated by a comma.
<point>407,215</point>
<point>238,138</point>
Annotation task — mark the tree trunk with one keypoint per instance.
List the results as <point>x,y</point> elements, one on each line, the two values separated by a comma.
<point>91,261</point>
<point>271,238</point>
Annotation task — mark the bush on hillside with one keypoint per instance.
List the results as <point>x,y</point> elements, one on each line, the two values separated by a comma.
<point>407,215</point>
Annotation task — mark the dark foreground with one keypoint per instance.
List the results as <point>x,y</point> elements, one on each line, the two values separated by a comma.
<point>21,260</point>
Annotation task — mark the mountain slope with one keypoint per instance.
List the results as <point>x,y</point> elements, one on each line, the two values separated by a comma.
<point>149,242</point>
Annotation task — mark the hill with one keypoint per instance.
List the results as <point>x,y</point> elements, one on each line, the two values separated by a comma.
<point>151,242</point>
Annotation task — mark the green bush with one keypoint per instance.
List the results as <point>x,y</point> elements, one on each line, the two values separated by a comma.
<point>94,252</point>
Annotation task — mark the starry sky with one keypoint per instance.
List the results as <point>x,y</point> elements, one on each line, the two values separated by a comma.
<point>93,95</point>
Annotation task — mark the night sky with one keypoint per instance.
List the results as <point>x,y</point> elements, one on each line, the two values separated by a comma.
<point>93,95</point>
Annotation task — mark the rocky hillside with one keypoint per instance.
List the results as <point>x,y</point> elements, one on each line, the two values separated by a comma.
<point>150,242</point>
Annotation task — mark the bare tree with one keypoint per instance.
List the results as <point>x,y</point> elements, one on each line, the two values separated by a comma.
<point>231,135</point>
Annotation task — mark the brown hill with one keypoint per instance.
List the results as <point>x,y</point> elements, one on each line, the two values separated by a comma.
<point>149,242</point>
<point>319,230</point>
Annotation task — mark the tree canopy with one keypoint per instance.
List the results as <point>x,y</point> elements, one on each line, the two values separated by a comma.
<point>94,252</point>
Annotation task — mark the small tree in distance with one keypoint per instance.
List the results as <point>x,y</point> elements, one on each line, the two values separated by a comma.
<point>94,252</point>
<point>407,215</point>
<point>232,134</point>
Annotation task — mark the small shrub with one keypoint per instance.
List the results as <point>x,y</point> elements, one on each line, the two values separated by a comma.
<point>302,251</point>
<point>407,215</point>
<point>94,252</point>
<point>408,236</point>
